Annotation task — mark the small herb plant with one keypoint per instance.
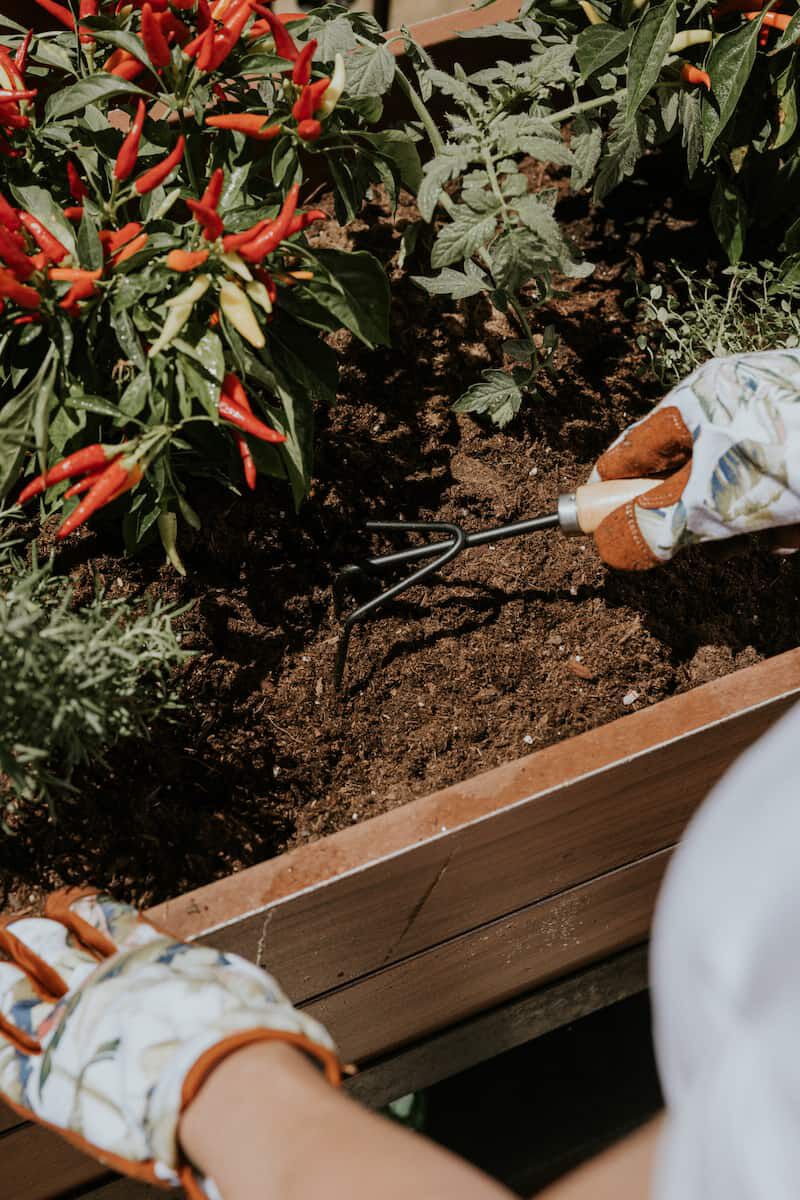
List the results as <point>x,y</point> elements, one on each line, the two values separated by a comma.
<point>163,312</point>
<point>75,680</point>
<point>693,318</point>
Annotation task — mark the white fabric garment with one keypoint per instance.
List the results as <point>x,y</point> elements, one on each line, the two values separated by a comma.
<point>725,980</point>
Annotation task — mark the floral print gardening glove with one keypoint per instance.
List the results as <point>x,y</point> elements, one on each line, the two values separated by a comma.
<point>108,1028</point>
<point>727,441</point>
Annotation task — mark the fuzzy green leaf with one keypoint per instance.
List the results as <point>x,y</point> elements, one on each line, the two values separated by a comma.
<point>461,237</point>
<point>497,395</point>
<point>599,45</point>
<point>451,283</point>
<point>370,71</point>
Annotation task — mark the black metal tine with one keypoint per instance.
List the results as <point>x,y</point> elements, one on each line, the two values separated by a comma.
<point>450,548</point>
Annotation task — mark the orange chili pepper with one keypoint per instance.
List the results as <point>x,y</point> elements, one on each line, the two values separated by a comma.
<point>186,260</point>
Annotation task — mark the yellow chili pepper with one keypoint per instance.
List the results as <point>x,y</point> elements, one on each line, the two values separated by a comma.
<point>239,311</point>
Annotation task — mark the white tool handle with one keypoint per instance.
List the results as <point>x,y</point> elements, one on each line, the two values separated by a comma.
<point>582,511</point>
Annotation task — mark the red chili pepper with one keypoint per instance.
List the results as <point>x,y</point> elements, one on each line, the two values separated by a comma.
<point>124,65</point>
<point>87,8</point>
<point>303,220</point>
<point>9,216</point>
<point>12,118</point>
<point>155,43</point>
<point>77,188</point>
<point>309,130</point>
<point>72,274</point>
<point>58,11</point>
<point>301,73</point>
<point>186,260</point>
<point>84,484</point>
<point>73,212</point>
<point>208,218</point>
<point>113,239</point>
<point>695,76</point>
<point>15,258</point>
<point>276,231</point>
<point>771,20</point>
<point>182,5</point>
<point>132,247</point>
<point>238,396</point>
<point>44,239</point>
<point>230,411</point>
<point>81,290</point>
<point>226,39</point>
<point>303,107</point>
<point>161,171</point>
<point>285,46</point>
<point>13,97</point>
<point>213,193</point>
<point>119,476</point>
<point>20,293</point>
<point>91,458</point>
<point>250,124</point>
<point>129,151</point>
<point>21,57</point>
<point>174,28</point>
<point>234,240</point>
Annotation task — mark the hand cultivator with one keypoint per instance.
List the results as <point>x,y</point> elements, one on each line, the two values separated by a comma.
<point>578,512</point>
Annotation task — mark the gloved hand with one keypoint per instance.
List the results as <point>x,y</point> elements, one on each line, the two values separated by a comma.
<point>109,1027</point>
<point>727,440</point>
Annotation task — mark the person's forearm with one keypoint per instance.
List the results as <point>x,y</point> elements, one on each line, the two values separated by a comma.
<point>266,1123</point>
<point>624,1172</point>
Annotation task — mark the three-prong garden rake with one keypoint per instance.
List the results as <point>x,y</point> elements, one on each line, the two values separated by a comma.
<point>578,512</point>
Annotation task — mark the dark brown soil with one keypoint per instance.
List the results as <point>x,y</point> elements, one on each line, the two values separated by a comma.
<point>513,648</point>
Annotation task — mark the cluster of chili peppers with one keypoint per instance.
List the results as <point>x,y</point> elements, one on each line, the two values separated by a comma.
<point>14,96</point>
<point>314,98</point>
<point>246,281</point>
<point>31,254</point>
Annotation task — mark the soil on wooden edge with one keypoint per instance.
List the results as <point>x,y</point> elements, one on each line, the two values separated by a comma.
<point>514,647</point>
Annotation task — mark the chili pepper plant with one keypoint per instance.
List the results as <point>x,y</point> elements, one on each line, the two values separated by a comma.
<point>163,310</point>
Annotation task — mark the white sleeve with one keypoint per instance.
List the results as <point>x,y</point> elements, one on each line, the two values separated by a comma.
<point>726,986</point>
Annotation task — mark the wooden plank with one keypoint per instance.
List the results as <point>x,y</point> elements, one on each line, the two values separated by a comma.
<point>413,999</point>
<point>8,1118</point>
<point>126,1189</point>
<point>503,1028</point>
<point>37,1165</point>
<point>487,966</point>
<point>332,911</point>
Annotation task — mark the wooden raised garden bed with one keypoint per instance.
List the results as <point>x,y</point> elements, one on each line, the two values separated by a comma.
<point>431,937</point>
<point>473,918</point>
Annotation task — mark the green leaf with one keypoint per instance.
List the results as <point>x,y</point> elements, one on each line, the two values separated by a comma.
<point>586,144</point>
<point>462,236</point>
<point>203,366</point>
<point>497,395</point>
<point>42,404</point>
<point>786,94</point>
<point>691,120</point>
<point>648,50</point>
<point>39,202</point>
<point>729,218</point>
<point>599,45</point>
<point>333,37</point>
<point>94,404</point>
<point>790,34</point>
<point>16,422</point>
<point>401,151</point>
<point>451,283</point>
<point>370,71</point>
<point>729,65</point>
<point>90,248</point>
<point>357,293</point>
<point>88,91</point>
<point>106,30</point>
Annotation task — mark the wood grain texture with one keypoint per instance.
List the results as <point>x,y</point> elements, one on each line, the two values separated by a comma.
<point>468,974</point>
<point>502,1028</point>
<point>37,1165</point>
<point>450,862</point>
<point>8,1119</point>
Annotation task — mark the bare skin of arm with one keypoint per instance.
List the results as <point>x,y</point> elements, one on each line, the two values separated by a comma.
<point>267,1124</point>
